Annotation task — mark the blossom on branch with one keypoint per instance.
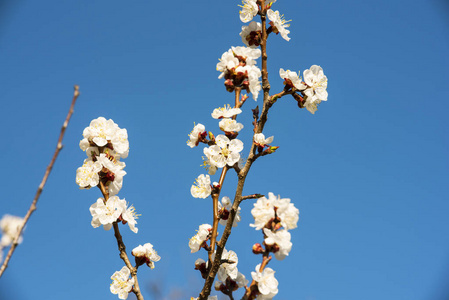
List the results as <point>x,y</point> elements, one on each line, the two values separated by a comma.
<point>105,133</point>
<point>105,214</point>
<point>292,79</point>
<point>146,254</point>
<point>225,112</point>
<point>279,24</point>
<point>280,242</point>
<point>261,141</point>
<point>265,210</point>
<point>197,241</point>
<point>267,284</point>
<point>129,216</point>
<point>251,34</point>
<point>238,67</point>
<point>202,187</point>
<point>224,209</point>
<point>10,226</point>
<point>198,131</point>
<point>121,283</point>
<point>249,10</point>
<point>230,125</point>
<point>225,152</point>
<point>316,87</point>
<point>87,175</point>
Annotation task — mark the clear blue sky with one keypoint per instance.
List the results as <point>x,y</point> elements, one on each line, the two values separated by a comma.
<point>368,171</point>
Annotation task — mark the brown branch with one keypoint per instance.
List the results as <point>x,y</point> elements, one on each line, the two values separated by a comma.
<point>253,196</point>
<point>251,158</point>
<point>41,186</point>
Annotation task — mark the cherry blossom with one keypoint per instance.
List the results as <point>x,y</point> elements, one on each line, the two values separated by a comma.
<point>225,152</point>
<point>147,254</point>
<point>316,84</point>
<point>249,10</point>
<point>200,237</point>
<point>279,24</point>
<point>87,175</point>
<point>230,125</point>
<point>281,240</point>
<point>121,283</point>
<point>292,79</point>
<point>266,282</point>
<point>198,129</point>
<point>225,112</point>
<point>224,209</point>
<point>10,226</point>
<point>251,34</point>
<point>202,187</point>
<point>105,214</point>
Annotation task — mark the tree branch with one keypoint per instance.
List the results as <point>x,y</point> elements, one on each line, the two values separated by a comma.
<point>41,186</point>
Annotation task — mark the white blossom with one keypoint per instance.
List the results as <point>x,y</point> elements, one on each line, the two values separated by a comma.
<point>225,207</point>
<point>87,175</point>
<point>202,187</point>
<point>211,169</point>
<point>317,84</point>
<point>249,10</point>
<point>225,152</point>
<point>101,132</point>
<point>259,138</point>
<point>121,283</point>
<point>10,226</point>
<point>225,112</point>
<point>262,212</point>
<point>193,136</point>
<point>312,106</point>
<point>227,62</point>
<point>115,167</point>
<point>281,238</point>
<point>254,82</point>
<point>230,125</point>
<point>200,237</point>
<point>208,298</point>
<point>241,280</point>
<point>293,78</point>
<point>105,214</point>
<point>148,253</point>
<point>279,23</point>
<point>266,282</point>
<point>246,31</point>
<point>129,215</point>
<point>248,54</point>
<point>227,269</point>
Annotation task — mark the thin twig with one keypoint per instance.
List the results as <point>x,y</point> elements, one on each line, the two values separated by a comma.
<point>41,186</point>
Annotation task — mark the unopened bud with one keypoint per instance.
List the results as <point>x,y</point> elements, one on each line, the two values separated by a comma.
<point>211,136</point>
<point>257,249</point>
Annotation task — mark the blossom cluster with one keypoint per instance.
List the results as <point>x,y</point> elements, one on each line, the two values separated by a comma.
<point>105,143</point>
<point>238,67</point>
<point>312,89</point>
<point>275,216</point>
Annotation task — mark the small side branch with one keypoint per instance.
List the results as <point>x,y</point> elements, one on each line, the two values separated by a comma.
<point>41,186</point>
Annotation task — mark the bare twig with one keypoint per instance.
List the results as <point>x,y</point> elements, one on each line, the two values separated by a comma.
<point>41,186</point>
<point>253,196</point>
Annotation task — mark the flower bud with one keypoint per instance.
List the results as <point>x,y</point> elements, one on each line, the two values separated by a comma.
<point>257,249</point>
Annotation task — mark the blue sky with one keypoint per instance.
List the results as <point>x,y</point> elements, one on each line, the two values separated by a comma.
<point>368,171</point>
